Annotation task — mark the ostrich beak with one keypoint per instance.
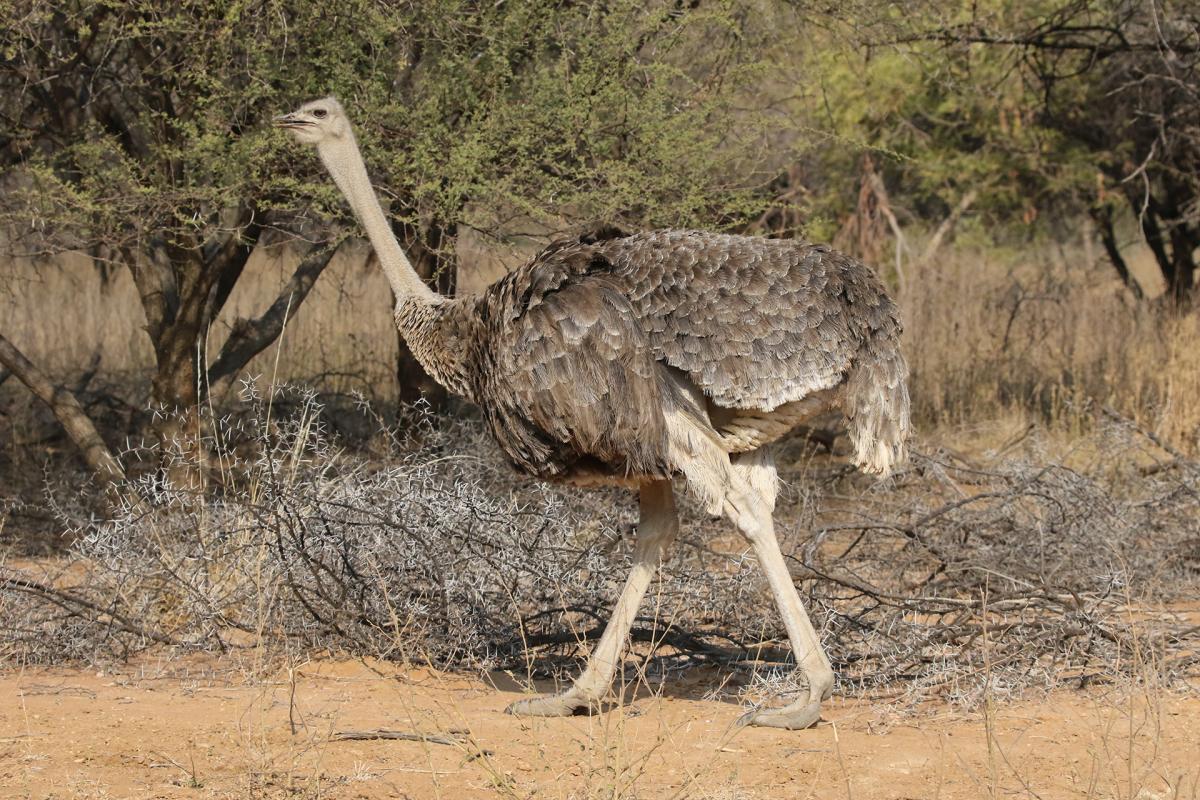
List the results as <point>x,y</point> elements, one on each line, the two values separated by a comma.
<point>292,120</point>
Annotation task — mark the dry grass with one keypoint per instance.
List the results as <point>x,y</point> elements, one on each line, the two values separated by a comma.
<point>63,312</point>
<point>1041,334</point>
<point>340,339</point>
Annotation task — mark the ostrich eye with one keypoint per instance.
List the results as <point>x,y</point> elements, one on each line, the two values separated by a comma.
<point>320,113</point>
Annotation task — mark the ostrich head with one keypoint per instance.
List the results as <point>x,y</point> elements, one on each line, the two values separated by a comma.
<point>323,124</point>
<point>317,122</point>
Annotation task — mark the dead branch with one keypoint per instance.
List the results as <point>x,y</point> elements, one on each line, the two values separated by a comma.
<point>72,417</point>
<point>453,739</point>
<point>81,606</point>
<point>946,226</point>
<point>249,337</point>
<point>434,556</point>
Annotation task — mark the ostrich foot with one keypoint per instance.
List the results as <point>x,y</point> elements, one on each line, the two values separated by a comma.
<point>549,705</point>
<point>795,717</point>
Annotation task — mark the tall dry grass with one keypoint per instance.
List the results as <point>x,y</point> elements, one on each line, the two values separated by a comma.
<point>1046,336</point>
<point>62,312</point>
<point>1041,333</point>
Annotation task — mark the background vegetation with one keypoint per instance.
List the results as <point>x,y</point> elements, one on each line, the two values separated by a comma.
<point>1023,175</point>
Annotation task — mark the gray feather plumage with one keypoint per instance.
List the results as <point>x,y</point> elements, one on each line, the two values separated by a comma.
<point>567,355</point>
<point>754,322</point>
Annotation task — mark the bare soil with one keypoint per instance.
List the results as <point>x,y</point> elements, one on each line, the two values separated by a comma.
<point>216,728</point>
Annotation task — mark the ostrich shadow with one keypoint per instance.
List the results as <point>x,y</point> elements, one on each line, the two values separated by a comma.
<point>708,676</point>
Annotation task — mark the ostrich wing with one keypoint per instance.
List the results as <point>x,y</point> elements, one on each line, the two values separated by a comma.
<point>573,379</point>
<point>754,322</point>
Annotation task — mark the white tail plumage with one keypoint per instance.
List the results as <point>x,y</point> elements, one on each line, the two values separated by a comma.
<point>876,406</point>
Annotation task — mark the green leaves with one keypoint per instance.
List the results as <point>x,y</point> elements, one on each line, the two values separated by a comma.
<point>149,117</point>
<point>1045,107</point>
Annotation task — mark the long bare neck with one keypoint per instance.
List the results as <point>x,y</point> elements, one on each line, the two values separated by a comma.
<point>345,164</point>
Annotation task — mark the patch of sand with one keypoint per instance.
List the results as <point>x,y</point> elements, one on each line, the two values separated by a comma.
<point>203,728</point>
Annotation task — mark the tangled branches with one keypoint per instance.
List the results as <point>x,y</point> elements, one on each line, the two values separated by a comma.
<point>954,579</point>
<point>1016,575</point>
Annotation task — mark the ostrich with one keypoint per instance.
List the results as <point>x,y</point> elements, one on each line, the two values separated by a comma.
<point>630,359</point>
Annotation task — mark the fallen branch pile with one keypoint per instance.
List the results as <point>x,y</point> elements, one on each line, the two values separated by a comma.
<point>951,579</point>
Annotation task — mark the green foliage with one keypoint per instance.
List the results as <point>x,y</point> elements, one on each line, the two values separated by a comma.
<point>564,114</point>
<point>1049,110</point>
<point>944,120</point>
<point>143,119</point>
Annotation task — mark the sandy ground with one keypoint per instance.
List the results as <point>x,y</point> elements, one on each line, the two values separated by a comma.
<point>201,728</point>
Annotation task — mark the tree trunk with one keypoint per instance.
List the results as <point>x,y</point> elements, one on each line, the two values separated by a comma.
<point>178,292</point>
<point>1183,245</point>
<point>176,424</point>
<point>1172,241</point>
<point>1104,222</point>
<point>183,287</point>
<point>428,259</point>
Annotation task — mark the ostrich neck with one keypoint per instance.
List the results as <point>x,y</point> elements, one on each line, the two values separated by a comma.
<point>345,164</point>
<point>436,329</point>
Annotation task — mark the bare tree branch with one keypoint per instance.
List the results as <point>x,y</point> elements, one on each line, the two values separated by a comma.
<point>947,225</point>
<point>1108,236</point>
<point>68,412</point>
<point>80,606</point>
<point>250,337</point>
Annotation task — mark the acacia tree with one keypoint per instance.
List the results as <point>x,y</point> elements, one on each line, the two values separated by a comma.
<point>134,132</point>
<point>1053,109</point>
<point>547,116</point>
<point>139,133</point>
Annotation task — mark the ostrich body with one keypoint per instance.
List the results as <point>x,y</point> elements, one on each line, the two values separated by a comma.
<point>631,359</point>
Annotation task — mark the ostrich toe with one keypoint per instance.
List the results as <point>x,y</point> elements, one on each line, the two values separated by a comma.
<point>795,717</point>
<point>549,705</point>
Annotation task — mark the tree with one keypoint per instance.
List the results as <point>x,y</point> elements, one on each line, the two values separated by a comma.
<point>134,132</point>
<point>139,132</point>
<point>1054,109</point>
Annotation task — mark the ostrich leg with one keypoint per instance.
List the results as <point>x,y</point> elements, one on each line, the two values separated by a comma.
<point>749,505</point>
<point>656,530</point>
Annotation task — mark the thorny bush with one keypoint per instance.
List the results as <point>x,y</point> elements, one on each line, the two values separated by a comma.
<point>952,578</point>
